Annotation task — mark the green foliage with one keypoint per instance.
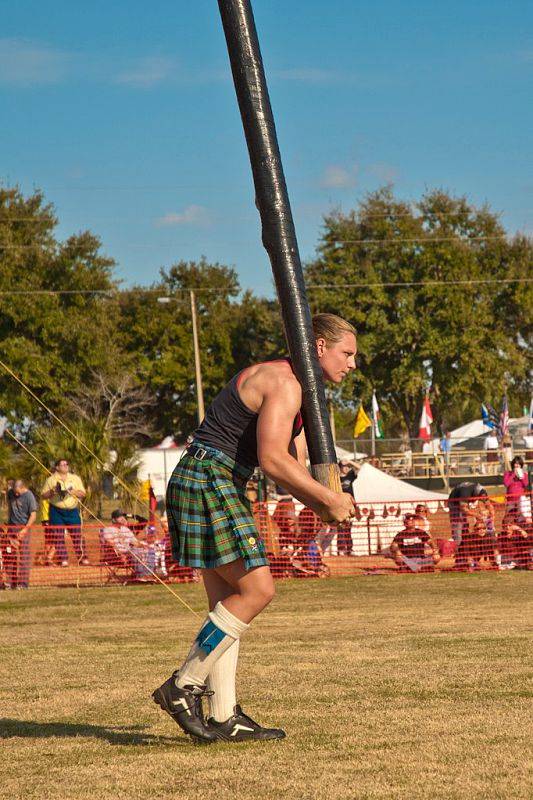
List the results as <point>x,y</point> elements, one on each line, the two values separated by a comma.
<point>469,342</point>
<point>121,367</point>
<point>52,342</point>
<point>158,337</point>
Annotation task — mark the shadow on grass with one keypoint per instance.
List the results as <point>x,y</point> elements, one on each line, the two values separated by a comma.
<point>114,734</point>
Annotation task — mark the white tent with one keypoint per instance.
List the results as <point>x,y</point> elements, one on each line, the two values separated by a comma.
<point>382,501</point>
<point>347,455</point>
<point>471,430</point>
<point>375,486</point>
<point>157,464</point>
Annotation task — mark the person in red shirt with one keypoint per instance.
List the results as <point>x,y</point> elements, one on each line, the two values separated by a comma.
<point>412,548</point>
<point>516,482</point>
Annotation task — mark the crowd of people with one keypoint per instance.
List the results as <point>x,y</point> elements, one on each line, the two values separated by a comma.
<point>297,541</point>
<point>129,541</point>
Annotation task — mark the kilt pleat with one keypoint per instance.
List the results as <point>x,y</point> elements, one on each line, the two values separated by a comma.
<point>209,516</point>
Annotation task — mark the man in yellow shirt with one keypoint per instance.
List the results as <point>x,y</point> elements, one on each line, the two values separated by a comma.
<point>64,490</point>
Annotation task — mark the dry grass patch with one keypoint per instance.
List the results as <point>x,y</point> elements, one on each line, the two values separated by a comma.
<point>406,687</point>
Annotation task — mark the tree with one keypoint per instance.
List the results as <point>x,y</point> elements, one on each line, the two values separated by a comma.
<point>117,402</point>
<point>158,336</point>
<point>53,342</point>
<point>469,341</point>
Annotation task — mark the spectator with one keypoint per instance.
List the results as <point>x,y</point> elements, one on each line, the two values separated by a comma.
<point>478,543</point>
<point>515,546</point>
<point>348,475</point>
<point>516,482</point>
<point>478,538</point>
<point>119,535</point>
<point>10,482</point>
<point>446,448</point>
<point>507,451</point>
<point>285,518</point>
<point>412,548</point>
<point>307,556</point>
<point>143,556</point>
<point>422,511</point>
<point>64,490</point>
<point>22,513</point>
<point>491,446</point>
<point>458,500</point>
<point>49,553</point>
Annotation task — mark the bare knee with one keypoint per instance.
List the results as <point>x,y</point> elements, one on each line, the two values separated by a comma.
<point>261,596</point>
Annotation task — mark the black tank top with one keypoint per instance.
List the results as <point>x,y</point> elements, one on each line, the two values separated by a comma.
<point>229,425</point>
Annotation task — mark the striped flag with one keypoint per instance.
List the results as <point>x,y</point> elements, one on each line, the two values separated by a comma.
<point>376,418</point>
<point>503,427</point>
<point>426,418</point>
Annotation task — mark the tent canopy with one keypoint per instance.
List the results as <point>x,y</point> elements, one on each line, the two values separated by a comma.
<point>374,486</point>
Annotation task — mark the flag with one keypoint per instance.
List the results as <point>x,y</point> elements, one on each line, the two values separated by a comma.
<point>376,418</point>
<point>530,426</point>
<point>503,427</point>
<point>362,422</point>
<point>426,418</point>
<point>489,416</point>
<point>3,426</point>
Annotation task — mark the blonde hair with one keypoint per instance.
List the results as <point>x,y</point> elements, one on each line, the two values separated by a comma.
<point>331,328</point>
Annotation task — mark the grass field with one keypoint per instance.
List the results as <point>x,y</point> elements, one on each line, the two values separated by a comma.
<point>388,687</point>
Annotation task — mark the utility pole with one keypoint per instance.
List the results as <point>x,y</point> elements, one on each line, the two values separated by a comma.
<point>197,364</point>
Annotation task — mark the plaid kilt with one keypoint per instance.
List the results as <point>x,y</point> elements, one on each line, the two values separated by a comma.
<point>209,516</point>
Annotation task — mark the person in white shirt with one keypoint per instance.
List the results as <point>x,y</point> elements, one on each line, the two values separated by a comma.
<point>491,446</point>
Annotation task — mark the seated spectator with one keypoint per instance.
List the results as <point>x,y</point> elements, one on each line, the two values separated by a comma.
<point>155,550</point>
<point>479,544</point>
<point>422,511</point>
<point>285,518</point>
<point>460,501</point>
<point>307,560</point>
<point>412,548</point>
<point>173,570</point>
<point>478,539</point>
<point>515,546</point>
<point>119,535</point>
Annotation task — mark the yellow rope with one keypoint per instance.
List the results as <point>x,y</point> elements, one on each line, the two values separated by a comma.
<point>76,437</point>
<point>155,575</point>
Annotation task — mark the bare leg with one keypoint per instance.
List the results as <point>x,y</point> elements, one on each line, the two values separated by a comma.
<point>216,587</point>
<point>251,590</point>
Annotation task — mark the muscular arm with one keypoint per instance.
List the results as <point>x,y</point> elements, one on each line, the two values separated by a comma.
<point>281,402</point>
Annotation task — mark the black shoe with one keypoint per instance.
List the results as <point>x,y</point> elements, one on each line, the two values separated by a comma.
<point>185,708</point>
<point>242,728</point>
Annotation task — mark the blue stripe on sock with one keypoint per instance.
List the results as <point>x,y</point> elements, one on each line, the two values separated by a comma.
<point>209,637</point>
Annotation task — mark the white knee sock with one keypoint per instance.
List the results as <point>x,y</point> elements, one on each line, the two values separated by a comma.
<point>221,681</point>
<point>219,631</point>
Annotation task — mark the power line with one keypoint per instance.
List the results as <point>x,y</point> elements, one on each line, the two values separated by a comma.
<point>114,293</point>
<point>377,242</point>
<point>414,240</point>
<point>418,283</point>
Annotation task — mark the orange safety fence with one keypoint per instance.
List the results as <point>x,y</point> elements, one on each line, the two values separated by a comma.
<point>389,537</point>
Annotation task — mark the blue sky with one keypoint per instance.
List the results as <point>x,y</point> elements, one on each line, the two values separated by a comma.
<point>125,115</point>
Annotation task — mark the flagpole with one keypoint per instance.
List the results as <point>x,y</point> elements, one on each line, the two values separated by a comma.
<point>373,434</point>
